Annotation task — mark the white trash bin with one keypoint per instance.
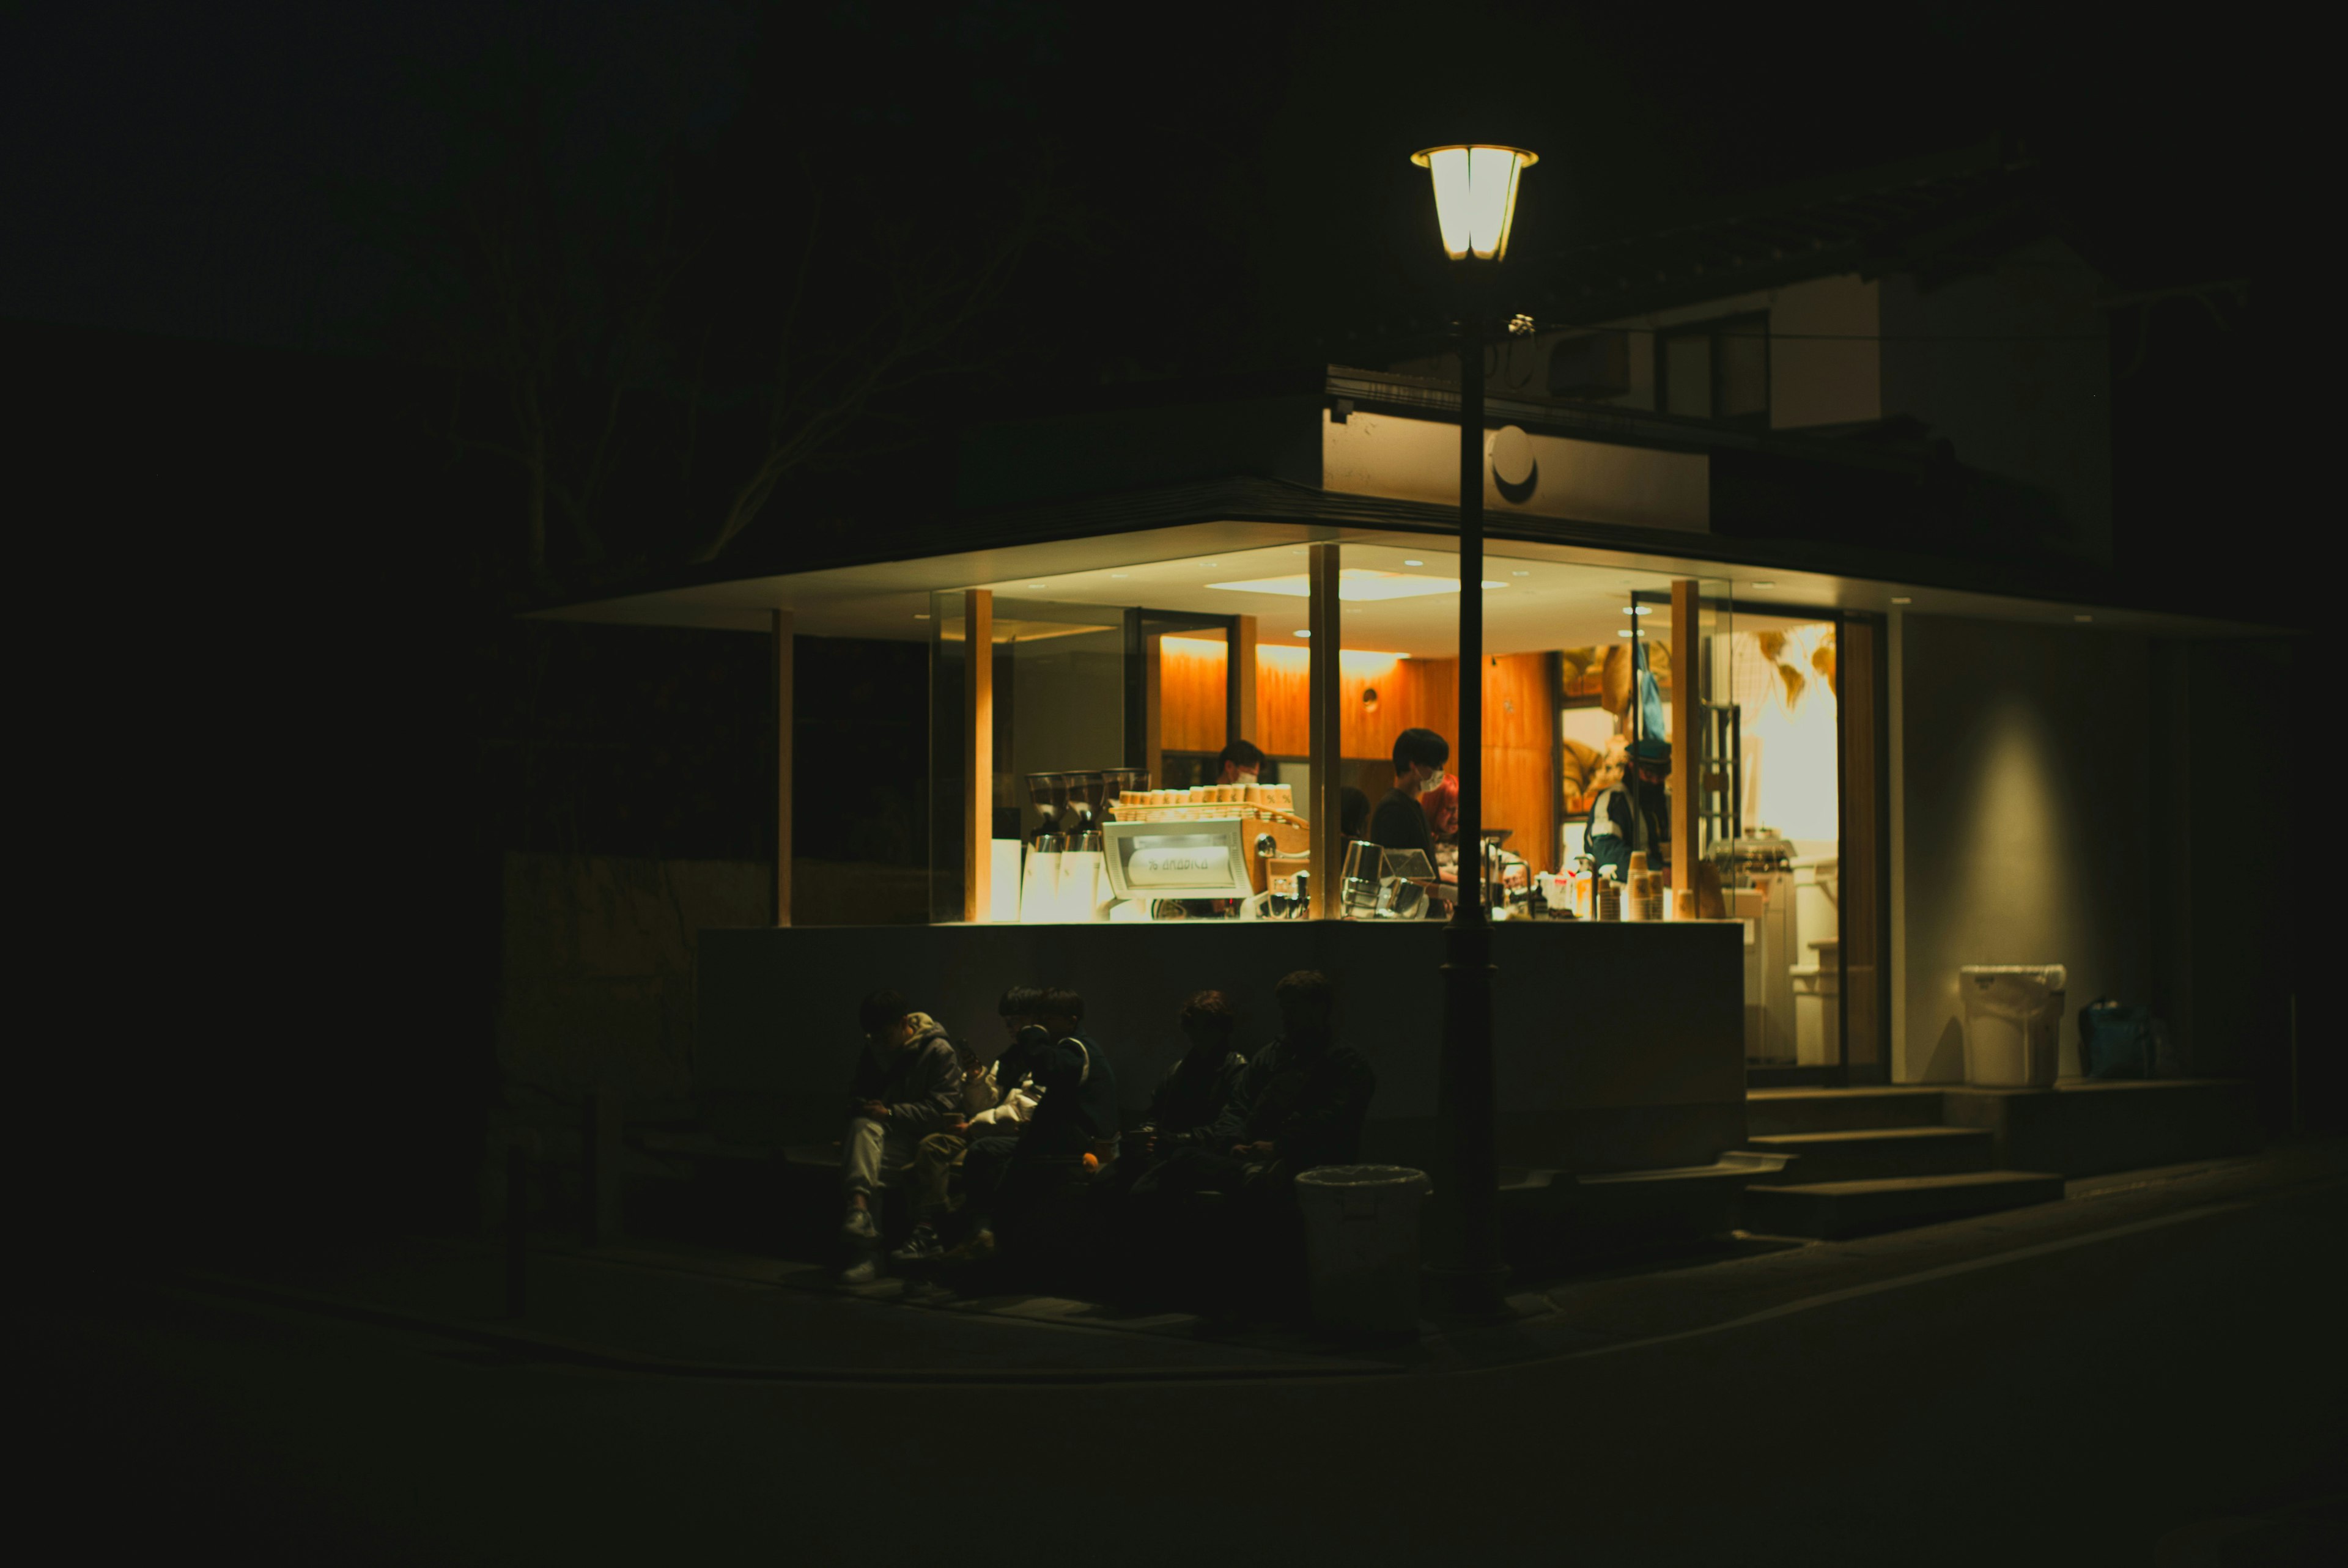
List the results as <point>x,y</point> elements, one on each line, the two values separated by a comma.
<point>2014,1023</point>
<point>1361,1244</point>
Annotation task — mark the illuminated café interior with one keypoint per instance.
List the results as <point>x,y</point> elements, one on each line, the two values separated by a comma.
<point>1118,651</point>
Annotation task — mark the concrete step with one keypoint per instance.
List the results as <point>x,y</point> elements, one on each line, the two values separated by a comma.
<point>1830,1210</point>
<point>1871,1153</point>
<point>1772,1112</point>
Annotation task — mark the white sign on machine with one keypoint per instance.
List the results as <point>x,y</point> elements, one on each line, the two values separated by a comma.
<point>1199,859</point>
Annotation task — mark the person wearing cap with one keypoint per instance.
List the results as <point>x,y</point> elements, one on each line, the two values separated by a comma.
<point>1241,763</point>
<point>1634,812</point>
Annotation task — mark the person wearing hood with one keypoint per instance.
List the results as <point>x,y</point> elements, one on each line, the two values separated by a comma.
<point>907,1085</point>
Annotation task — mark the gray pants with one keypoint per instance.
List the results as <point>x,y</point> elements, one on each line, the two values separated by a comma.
<point>874,1156</point>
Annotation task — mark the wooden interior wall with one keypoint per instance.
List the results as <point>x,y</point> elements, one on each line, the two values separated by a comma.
<point>1520,730</point>
<point>1520,755</point>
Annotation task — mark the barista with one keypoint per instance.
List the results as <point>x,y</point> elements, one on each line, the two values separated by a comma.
<point>1241,763</point>
<point>1400,820</point>
<point>1634,812</point>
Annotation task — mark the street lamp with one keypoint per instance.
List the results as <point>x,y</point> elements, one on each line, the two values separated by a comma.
<point>1475,206</point>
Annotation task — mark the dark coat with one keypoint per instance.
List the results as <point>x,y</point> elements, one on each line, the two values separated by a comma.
<point>921,1085</point>
<point>1400,823</point>
<point>1308,1105</point>
<point>1078,1105</point>
<point>1190,1097</point>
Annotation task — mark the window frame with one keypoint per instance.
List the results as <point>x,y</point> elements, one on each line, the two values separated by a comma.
<point>1712,329</point>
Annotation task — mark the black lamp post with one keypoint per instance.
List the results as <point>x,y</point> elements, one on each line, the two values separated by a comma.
<point>1475,203</point>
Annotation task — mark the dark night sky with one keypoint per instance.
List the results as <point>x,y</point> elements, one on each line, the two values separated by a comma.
<point>175,167</point>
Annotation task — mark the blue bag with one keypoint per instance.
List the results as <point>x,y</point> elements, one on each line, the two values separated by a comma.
<point>2117,1041</point>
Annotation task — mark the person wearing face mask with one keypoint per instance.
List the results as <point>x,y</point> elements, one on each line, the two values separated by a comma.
<point>1241,763</point>
<point>1400,820</point>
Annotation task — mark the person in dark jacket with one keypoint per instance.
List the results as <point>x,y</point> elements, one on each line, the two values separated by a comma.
<point>1400,820</point>
<point>907,1085</point>
<point>1301,1102</point>
<point>1194,1092</point>
<point>1076,1115</point>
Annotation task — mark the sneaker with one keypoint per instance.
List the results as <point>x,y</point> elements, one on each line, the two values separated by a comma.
<point>922,1245</point>
<point>863,1271</point>
<point>859,1225</point>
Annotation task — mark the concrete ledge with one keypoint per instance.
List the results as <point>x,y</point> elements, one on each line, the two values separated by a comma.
<point>1551,1220</point>
<point>2085,1129</point>
<point>1834,1210</point>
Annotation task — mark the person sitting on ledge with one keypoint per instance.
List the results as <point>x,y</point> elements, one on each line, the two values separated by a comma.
<point>1300,1103</point>
<point>997,1102</point>
<point>1072,1131</point>
<point>907,1085</point>
<point>1195,1091</point>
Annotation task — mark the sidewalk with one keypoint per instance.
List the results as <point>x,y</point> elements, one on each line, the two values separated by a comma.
<point>677,1310</point>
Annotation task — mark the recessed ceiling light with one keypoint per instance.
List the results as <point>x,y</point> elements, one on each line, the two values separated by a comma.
<point>1355,585</point>
<point>1214,563</point>
<point>2082,617</point>
<point>1625,631</point>
<point>1764,585</point>
<point>1121,574</point>
<point>1520,574</point>
<point>1304,633</point>
<point>1414,563</point>
<point>1034,585</point>
<point>920,615</point>
<point>1901,599</point>
<point>1639,609</point>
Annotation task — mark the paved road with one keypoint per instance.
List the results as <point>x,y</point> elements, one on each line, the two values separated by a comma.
<point>2077,1406</point>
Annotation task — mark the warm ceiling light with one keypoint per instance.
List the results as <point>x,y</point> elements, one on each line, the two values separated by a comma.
<point>2082,617</point>
<point>1355,585</point>
<point>1626,631</point>
<point>1034,585</point>
<point>1474,196</point>
<point>1300,632</point>
<point>1639,609</point>
<point>1901,599</point>
<point>1414,563</point>
<point>1520,574</point>
<point>1121,574</point>
<point>1764,585</point>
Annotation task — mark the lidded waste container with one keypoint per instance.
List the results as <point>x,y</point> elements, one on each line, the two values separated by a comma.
<point>1361,1244</point>
<point>2014,1023</point>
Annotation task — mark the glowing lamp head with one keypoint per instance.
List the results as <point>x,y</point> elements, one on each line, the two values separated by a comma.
<point>1474,196</point>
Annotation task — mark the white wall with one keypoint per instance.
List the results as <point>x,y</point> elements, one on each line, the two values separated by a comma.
<point>1824,366</point>
<point>1067,711</point>
<point>1589,481</point>
<point>2027,822</point>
